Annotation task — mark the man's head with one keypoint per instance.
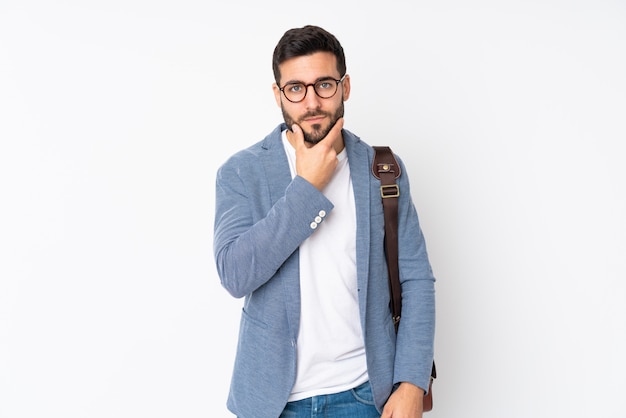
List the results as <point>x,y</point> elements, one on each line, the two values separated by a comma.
<point>311,82</point>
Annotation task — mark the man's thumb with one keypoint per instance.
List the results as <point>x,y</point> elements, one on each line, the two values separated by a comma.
<point>298,134</point>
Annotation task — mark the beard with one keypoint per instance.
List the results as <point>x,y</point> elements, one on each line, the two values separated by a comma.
<point>318,131</point>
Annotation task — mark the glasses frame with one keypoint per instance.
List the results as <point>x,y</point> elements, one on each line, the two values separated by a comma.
<point>306,88</point>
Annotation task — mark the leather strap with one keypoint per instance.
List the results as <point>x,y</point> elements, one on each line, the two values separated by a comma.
<point>387,170</point>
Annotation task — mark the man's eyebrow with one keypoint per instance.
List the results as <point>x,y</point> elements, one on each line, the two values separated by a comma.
<point>323,78</point>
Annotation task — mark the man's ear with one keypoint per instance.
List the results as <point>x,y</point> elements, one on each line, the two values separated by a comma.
<point>345,85</point>
<point>277,93</point>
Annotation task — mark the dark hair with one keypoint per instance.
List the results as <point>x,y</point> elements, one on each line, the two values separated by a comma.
<point>306,41</point>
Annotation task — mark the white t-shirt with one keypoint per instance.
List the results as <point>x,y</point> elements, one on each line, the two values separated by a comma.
<point>331,353</point>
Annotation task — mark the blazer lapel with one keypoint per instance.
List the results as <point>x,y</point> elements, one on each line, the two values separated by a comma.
<point>276,165</point>
<point>278,174</point>
<point>360,174</point>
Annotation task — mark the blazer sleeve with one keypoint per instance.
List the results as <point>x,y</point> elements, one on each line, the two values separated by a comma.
<point>415,339</point>
<point>253,236</point>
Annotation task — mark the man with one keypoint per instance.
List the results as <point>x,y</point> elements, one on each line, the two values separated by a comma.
<point>299,232</point>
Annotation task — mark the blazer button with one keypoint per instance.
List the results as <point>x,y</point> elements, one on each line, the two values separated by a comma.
<point>318,219</point>
<point>313,225</point>
<point>322,213</point>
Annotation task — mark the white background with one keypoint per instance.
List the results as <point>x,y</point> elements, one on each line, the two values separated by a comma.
<point>114,116</point>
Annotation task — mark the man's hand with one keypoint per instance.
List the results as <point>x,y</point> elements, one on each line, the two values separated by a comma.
<point>317,163</point>
<point>406,402</point>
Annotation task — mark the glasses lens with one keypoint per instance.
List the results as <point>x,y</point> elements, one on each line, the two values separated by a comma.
<point>295,92</point>
<point>326,88</point>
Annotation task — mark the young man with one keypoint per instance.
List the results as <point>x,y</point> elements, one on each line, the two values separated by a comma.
<point>299,232</point>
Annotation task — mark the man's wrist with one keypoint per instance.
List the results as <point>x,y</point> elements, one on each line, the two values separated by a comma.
<point>410,387</point>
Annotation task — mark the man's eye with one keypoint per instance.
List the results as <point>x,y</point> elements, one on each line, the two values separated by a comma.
<point>324,85</point>
<point>295,88</point>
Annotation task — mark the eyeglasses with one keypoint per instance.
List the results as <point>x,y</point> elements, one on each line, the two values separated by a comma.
<point>325,88</point>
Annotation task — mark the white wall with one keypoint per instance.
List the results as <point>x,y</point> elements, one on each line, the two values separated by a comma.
<point>115,115</point>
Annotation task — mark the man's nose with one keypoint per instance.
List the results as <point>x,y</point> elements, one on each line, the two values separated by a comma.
<point>312,100</point>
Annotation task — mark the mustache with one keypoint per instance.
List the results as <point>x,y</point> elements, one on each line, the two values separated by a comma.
<point>314,114</point>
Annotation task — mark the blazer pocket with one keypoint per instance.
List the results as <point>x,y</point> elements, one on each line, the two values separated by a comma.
<point>250,320</point>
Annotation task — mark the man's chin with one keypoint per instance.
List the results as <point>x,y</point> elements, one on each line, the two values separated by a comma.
<point>316,134</point>
<point>312,138</point>
<point>312,141</point>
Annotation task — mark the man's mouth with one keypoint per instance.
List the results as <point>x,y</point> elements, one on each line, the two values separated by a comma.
<point>314,119</point>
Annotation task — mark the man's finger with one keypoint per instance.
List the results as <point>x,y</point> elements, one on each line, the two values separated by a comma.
<point>335,133</point>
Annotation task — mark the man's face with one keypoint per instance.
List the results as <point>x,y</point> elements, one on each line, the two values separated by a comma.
<point>315,115</point>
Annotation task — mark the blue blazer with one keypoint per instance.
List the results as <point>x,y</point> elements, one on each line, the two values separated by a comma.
<point>262,216</point>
